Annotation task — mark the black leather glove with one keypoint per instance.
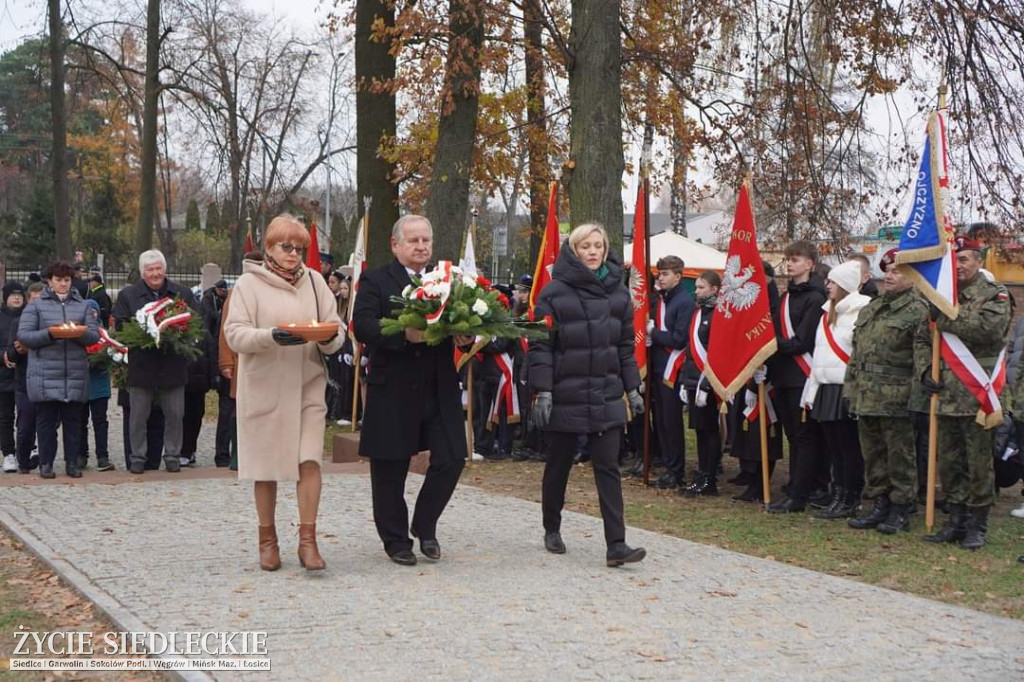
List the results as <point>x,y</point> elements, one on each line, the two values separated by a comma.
<point>286,338</point>
<point>326,341</point>
<point>931,386</point>
<point>541,414</point>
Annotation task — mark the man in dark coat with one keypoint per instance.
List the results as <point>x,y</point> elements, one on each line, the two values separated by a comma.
<point>155,376</point>
<point>668,335</point>
<point>98,293</point>
<point>796,327</point>
<point>413,402</point>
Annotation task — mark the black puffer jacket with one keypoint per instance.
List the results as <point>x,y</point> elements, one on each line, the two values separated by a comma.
<point>587,363</point>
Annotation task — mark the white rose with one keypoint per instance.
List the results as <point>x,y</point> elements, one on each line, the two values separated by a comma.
<point>469,282</point>
<point>406,291</point>
<point>480,307</point>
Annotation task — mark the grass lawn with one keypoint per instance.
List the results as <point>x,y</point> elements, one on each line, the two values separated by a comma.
<point>989,580</point>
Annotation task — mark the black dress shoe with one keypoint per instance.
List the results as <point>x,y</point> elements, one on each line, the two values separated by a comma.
<point>137,467</point>
<point>72,470</point>
<point>787,505</point>
<point>820,499</point>
<point>46,471</point>
<point>752,493</point>
<point>430,549</point>
<point>620,553</point>
<point>405,557</point>
<point>668,482</point>
<point>172,465</point>
<point>553,543</point>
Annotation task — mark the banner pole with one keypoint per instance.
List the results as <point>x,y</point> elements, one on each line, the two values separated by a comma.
<point>933,435</point>
<point>355,383</point>
<point>646,274</point>
<point>469,411</point>
<point>762,418</point>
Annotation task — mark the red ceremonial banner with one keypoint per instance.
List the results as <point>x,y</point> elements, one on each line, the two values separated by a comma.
<point>743,335</point>
<point>313,252</point>
<point>550,243</point>
<point>638,274</point>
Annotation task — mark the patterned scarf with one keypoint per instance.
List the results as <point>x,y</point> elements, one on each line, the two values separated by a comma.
<point>291,276</point>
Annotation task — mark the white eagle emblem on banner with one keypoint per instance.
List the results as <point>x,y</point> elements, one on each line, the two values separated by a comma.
<point>737,291</point>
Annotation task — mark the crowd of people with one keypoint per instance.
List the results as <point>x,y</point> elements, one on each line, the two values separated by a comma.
<point>848,389</point>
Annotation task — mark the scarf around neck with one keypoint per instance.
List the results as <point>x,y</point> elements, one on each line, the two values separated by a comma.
<point>291,276</point>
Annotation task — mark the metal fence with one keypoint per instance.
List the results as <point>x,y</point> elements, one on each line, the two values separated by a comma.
<point>117,279</point>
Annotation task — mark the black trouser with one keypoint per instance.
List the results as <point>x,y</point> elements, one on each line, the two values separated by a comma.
<point>804,436</point>
<point>920,422</point>
<point>604,457</point>
<point>843,442</point>
<point>68,416</point>
<point>154,436</point>
<point>7,443</point>
<point>192,421</point>
<point>97,409</point>
<point>225,427</point>
<point>709,451</point>
<point>668,422</point>
<point>483,398</point>
<point>26,429</point>
<point>390,512</point>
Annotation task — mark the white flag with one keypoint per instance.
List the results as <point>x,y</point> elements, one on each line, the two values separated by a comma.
<point>468,261</point>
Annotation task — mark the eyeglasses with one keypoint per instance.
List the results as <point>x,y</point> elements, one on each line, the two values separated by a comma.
<point>288,247</point>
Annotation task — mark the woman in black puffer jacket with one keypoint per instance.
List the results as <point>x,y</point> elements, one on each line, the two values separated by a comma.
<point>583,375</point>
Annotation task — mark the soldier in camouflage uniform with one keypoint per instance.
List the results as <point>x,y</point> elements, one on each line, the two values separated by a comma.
<point>965,446</point>
<point>879,385</point>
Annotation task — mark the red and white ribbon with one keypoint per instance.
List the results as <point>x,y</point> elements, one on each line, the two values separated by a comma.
<point>788,332</point>
<point>436,284</point>
<point>697,350</point>
<point>676,359</point>
<point>983,386</point>
<point>107,340</point>
<point>507,395</point>
<point>752,412</point>
<point>842,352</point>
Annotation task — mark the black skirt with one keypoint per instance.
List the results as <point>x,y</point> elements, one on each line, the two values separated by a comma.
<point>829,405</point>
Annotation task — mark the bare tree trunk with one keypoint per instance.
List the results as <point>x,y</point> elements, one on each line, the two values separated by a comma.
<point>536,129</point>
<point>58,156</point>
<point>376,119</point>
<point>595,103</point>
<point>147,190</point>
<point>448,204</point>
<point>677,210</point>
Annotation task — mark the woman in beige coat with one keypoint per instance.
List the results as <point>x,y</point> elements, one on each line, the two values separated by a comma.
<point>281,381</point>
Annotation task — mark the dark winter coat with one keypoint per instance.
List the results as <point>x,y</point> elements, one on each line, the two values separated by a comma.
<point>153,367</point>
<point>805,301</point>
<point>57,369</point>
<point>587,362</point>
<point>679,309</point>
<point>98,293</point>
<point>691,375</point>
<point>398,375</point>
<point>8,330</point>
<point>203,370</point>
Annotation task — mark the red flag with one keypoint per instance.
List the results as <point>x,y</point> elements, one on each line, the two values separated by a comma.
<point>313,252</point>
<point>743,335</point>
<point>249,246</point>
<point>639,291</point>
<point>549,244</point>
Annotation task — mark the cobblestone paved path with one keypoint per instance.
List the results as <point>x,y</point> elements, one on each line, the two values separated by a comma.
<point>180,555</point>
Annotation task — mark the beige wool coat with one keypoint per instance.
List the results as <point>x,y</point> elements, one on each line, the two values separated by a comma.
<point>281,407</point>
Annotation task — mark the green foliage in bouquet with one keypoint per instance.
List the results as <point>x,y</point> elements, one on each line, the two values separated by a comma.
<point>472,308</point>
<point>183,338</point>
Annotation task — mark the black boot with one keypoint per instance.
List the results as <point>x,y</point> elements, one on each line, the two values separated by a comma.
<point>705,485</point>
<point>620,553</point>
<point>955,528</point>
<point>977,526</point>
<point>838,499</point>
<point>879,512</point>
<point>898,519</point>
<point>752,493</point>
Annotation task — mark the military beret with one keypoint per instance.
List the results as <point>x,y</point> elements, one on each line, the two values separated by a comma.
<point>965,243</point>
<point>888,258</point>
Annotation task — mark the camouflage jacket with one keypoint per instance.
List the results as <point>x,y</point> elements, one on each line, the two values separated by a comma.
<point>983,324</point>
<point>880,374</point>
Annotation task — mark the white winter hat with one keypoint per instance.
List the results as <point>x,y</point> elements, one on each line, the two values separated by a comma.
<point>847,276</point>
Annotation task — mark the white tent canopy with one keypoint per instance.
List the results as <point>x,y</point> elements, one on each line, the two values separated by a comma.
<point>696,256</point>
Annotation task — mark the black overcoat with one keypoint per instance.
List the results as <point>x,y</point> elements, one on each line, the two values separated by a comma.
<point>587,363</point>
<point>398,377</point>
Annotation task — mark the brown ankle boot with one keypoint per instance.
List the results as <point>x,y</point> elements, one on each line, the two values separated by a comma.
<point>309,555</point>
<point>270,555</point>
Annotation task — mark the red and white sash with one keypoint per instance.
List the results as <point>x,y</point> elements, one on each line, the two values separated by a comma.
<point>507,395</point>
<point>842,352</point>
<point>984,387</point>
<point>676,359</point>
<point>697,350</point>
<point>752,412</point>
<point>788,332</point>
<point>659,316</point>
